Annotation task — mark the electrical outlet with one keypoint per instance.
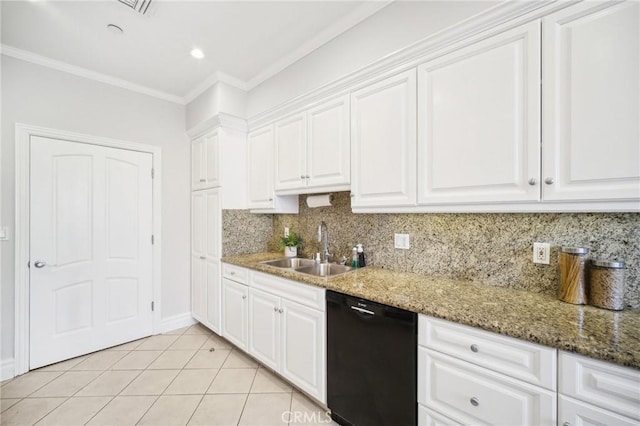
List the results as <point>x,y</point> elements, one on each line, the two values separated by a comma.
<point>286,231</point>
<point>401,241</point>
<point>541,253</point>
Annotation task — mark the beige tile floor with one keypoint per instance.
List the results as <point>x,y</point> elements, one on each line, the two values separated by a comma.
<point>188,376</point>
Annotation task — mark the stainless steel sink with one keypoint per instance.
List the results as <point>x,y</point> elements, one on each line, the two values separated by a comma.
<point>325,269</point>
<point>291,263</point>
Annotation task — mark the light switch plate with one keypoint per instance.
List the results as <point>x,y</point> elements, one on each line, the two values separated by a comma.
<point>401,241</point>
<point>4,234</point>
<point>541,253</point>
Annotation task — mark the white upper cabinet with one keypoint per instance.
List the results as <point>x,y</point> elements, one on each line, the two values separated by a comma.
<point>329,144</point>
<point>591,98</point>
<point>479,121</point>
<point>291,152</point>
<point>260,148</point>
<point>312,149</point>
<point>205,170</point>
<point>383,148</point>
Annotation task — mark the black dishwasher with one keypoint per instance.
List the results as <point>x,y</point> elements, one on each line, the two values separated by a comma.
<point>371,362</point>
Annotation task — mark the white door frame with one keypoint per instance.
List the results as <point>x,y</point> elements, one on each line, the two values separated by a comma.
<point>23,135</point>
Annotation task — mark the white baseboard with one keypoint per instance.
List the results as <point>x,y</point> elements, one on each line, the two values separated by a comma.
<point>7,370</point>
<point>177,321</point>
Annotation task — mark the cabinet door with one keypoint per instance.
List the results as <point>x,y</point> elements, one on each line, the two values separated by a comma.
<point>210,160</point>
<point>383,146</point>
<point>212,230</point>
<point>303,348</point>
<point>591,103</point>
<point>198,153</point>
<point>198,252</point>
<point>576,413</point>
<point>198,288</point>
<point>291,152</point>
<point>264,327</point>
<point>214,305</point>
<point>329,144</point>
<point>235,313</point>
<point>260,150</point>
<point>479,121</point>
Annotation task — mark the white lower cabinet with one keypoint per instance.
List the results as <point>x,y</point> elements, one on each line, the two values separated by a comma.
<point>287,331</point>
<point>575,413</point>
<point>460,381</point>
<point>474,395</point>
<point>303,348</point>
<point>235,327</point>
<point>280,323</point>
<point>591,390</point>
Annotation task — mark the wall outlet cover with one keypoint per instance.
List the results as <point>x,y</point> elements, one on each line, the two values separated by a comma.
<point>401,241</point>
<point>286,231</point>
<point>541,253</point>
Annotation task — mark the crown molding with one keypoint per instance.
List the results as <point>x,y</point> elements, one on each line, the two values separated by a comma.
<point>494,20</point>
<point>44,61</point>
<point>212,80</point>
<point>220,120</point>
<point>340,26</point>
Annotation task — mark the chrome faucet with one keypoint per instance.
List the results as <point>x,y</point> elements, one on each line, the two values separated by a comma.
<point>323,237</point>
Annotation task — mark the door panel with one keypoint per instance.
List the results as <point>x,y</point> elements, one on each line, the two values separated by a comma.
<point>591,105</point>
<point>291,152</point>
<point>264,328</point>
<point>260,148</point>
<point>91,222</point>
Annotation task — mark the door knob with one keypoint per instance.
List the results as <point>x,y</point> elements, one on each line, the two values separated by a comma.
<point>532,181</point>
<point>549,181</point>
<point>40,264</point>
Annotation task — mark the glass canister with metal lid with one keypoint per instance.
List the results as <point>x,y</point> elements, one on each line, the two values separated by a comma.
<point>572,262</point>
<point>606,284</point>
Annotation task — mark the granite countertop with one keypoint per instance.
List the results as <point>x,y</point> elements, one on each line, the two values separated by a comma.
<point>539,318</point>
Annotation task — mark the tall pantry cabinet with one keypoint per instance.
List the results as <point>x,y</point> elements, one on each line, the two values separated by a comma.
<point>215,185</point>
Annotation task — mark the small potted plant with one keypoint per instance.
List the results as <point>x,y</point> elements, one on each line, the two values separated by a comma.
<point>290,244</point>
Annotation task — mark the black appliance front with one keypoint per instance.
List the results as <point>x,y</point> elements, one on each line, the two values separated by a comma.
<point>371,362</point>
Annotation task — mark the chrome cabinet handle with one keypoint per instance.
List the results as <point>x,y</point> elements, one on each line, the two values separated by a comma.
<point>549,181</point>
<point>474,401</point>
<point>232,272</point>
<point>202,257</point>
<point>203,180</point>
<point>270,199</point>
<point>40,264</point>
<point>308,177</point>
<point>474,348</point>
<point>363,311</point>
<point>302,176</point>
<point>532,181</point>
<point>275,309</point>
<point>352,195</point>
<point>244,297</point>
<point>281,310</point>
<point>566,424</point>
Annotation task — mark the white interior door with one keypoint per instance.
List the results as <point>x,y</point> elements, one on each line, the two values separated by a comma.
<point>91,252</point>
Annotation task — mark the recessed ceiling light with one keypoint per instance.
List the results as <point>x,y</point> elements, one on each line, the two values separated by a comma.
<point>115,29</point>
<point>197,53</point>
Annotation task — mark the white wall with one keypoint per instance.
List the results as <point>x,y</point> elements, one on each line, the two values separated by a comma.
<point>393,28</point>
<point>40,96</point>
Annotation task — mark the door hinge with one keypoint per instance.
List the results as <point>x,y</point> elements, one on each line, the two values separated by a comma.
<point>152,240</point>
<point>153,306</point>
<point>153,173</point>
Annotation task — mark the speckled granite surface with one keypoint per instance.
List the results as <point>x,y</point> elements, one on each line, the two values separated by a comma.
<point>535,317</point>
<point>244,232</point>
<point>493,249</point>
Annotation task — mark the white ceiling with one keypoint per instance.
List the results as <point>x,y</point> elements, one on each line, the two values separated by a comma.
<point>245,42</point>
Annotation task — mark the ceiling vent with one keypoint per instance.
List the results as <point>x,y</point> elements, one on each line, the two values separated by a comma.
<point>140,6</point>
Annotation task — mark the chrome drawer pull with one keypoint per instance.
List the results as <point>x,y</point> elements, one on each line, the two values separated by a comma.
<point>474,401</point>
<point>363,311</point>
<point>474,348</point>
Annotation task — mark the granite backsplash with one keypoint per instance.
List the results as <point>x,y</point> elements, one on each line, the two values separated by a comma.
<point>492,248</point>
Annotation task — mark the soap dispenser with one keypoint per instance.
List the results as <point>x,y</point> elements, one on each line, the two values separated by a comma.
<point>354,258</point>
<point>361,260</point>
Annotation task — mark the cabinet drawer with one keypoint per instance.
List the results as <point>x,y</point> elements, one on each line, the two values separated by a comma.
<point>235,273</point>
<point>428,417</point>
<point>302,293</point>
<point>602,384</point>
<point>526,361</point>
<point>576,413</point>
<point>474,395</point>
